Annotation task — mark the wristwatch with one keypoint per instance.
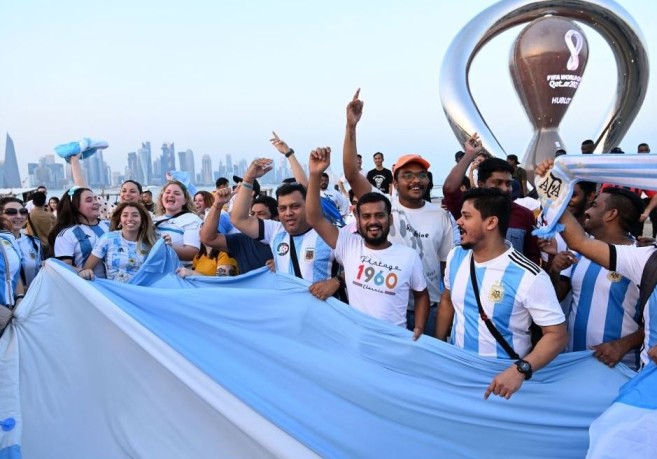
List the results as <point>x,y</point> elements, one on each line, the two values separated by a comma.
<point>525,368</point>
<point>289,153</point>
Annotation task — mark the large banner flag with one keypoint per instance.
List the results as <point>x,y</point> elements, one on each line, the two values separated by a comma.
<point>255,366</point>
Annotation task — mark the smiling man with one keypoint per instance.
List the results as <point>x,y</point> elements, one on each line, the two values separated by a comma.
<point>379,275</point>
<point>298,250</point>
<point>423,226</point>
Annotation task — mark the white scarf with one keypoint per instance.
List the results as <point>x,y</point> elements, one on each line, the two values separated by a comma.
<point>555,188</point>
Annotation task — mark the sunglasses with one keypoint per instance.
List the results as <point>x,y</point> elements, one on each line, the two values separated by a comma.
<point>15,211</point>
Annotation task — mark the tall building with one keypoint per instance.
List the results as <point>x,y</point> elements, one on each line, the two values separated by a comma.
<point>144,158</point>
<point>10,176</point>
<point>46,172</point>
<point>186,160</point>
<point>134,171</point>
<point>206,171</point>
<point>229,166</point>
<point>167,160</point>
<point>96,171</point>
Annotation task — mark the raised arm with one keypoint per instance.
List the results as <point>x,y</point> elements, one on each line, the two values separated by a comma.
<point>319,161</point>
<point>240,214</point>
<point>455,177</point>
<point>210,236</point>
<point>574,234</point>
<point>359,184</point>
<point>297,170</point>
<point>76,171</point>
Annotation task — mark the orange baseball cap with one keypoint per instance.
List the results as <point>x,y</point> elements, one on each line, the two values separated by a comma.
<point>407,159</point>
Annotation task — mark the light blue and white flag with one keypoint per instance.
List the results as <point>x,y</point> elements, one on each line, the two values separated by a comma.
<point>556,188</point>
<point>84,147</point>
<point>255,366</point>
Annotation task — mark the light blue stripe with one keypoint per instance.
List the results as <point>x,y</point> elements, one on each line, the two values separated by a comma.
<point>321,265</point>
<point>11,452</point>
<point>584,306</point>
<point>615,312</point>
<point>511,279</point>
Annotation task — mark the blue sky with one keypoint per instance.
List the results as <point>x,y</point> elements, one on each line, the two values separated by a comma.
<point>217,77</point>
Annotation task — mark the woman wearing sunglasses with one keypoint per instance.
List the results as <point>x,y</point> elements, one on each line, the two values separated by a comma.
<point>15,214</point>
<point>11,291</point>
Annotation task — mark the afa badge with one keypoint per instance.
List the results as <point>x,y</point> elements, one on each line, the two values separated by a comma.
<point>309,254</point>
<point>282,249</point>
<point>613,276</point>
<point>496,293</point>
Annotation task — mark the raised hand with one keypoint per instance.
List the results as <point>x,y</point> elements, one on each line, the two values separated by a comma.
<point>279,144</point>
<point>541,169</point>
<point>258,168</point>
<point>354,110</point>
<point>473,145</point>
<point>320,160</point>
<point>223,197</point>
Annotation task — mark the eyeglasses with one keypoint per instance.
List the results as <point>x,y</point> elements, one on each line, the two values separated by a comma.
<point>408,176</point>
<point>15,211</point>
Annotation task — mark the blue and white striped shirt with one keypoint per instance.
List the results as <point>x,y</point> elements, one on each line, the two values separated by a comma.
<point>604,307</point>
<point>314,255</point>
<point>630,262</point>
<point>512,290</point>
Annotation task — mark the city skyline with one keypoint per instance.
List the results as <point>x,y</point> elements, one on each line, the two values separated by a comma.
<point>217,78</point>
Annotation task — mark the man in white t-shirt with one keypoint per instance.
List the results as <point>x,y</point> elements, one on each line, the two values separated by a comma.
<point>341,203</point>
<point>423,226</point>
<point>379,275</point>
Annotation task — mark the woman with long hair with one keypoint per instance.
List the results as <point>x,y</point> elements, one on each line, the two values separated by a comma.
<point>174,215</point>
<point>30,247</point>
<point>52,205</point>
<point>78,228</point>
<point>124,249</point>
<point>10,264</point>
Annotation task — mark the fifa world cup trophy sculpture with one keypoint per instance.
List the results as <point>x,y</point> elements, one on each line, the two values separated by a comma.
<point>547,63</point>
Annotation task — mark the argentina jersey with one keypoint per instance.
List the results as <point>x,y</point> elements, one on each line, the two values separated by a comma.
<point>512,290</point>
<point>315,257</point>
<point>76,243</point>
<point>122,258</point>
<point>12,256</point>
<point>630,261</point>
<point>604,308</point>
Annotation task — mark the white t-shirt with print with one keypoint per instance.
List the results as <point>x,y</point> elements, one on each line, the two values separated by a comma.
<point>428,231</point>
<point>379,282</point>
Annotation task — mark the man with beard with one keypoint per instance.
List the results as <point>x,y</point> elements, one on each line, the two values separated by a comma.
<point>298,249</point>
<point>490,287</point>
<point>603,316</point>
<point>379,275</point>
<point>416,223</point>
<point>493,173</point>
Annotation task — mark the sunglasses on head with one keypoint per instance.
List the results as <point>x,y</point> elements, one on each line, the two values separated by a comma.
<point>15,211</point>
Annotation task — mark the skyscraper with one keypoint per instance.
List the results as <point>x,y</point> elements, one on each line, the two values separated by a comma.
<point>206,170</point>
<point>144,159</point>
<point>10,176</point>
<point>186,159</point>
<point>168,159</point>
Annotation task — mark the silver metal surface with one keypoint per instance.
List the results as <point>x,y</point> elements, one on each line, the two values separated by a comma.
<point>606,17</point>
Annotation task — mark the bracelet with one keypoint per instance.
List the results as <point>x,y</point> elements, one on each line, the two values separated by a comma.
<point>340,281</point>
<point>247,185</point>
<point>289,153</point>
